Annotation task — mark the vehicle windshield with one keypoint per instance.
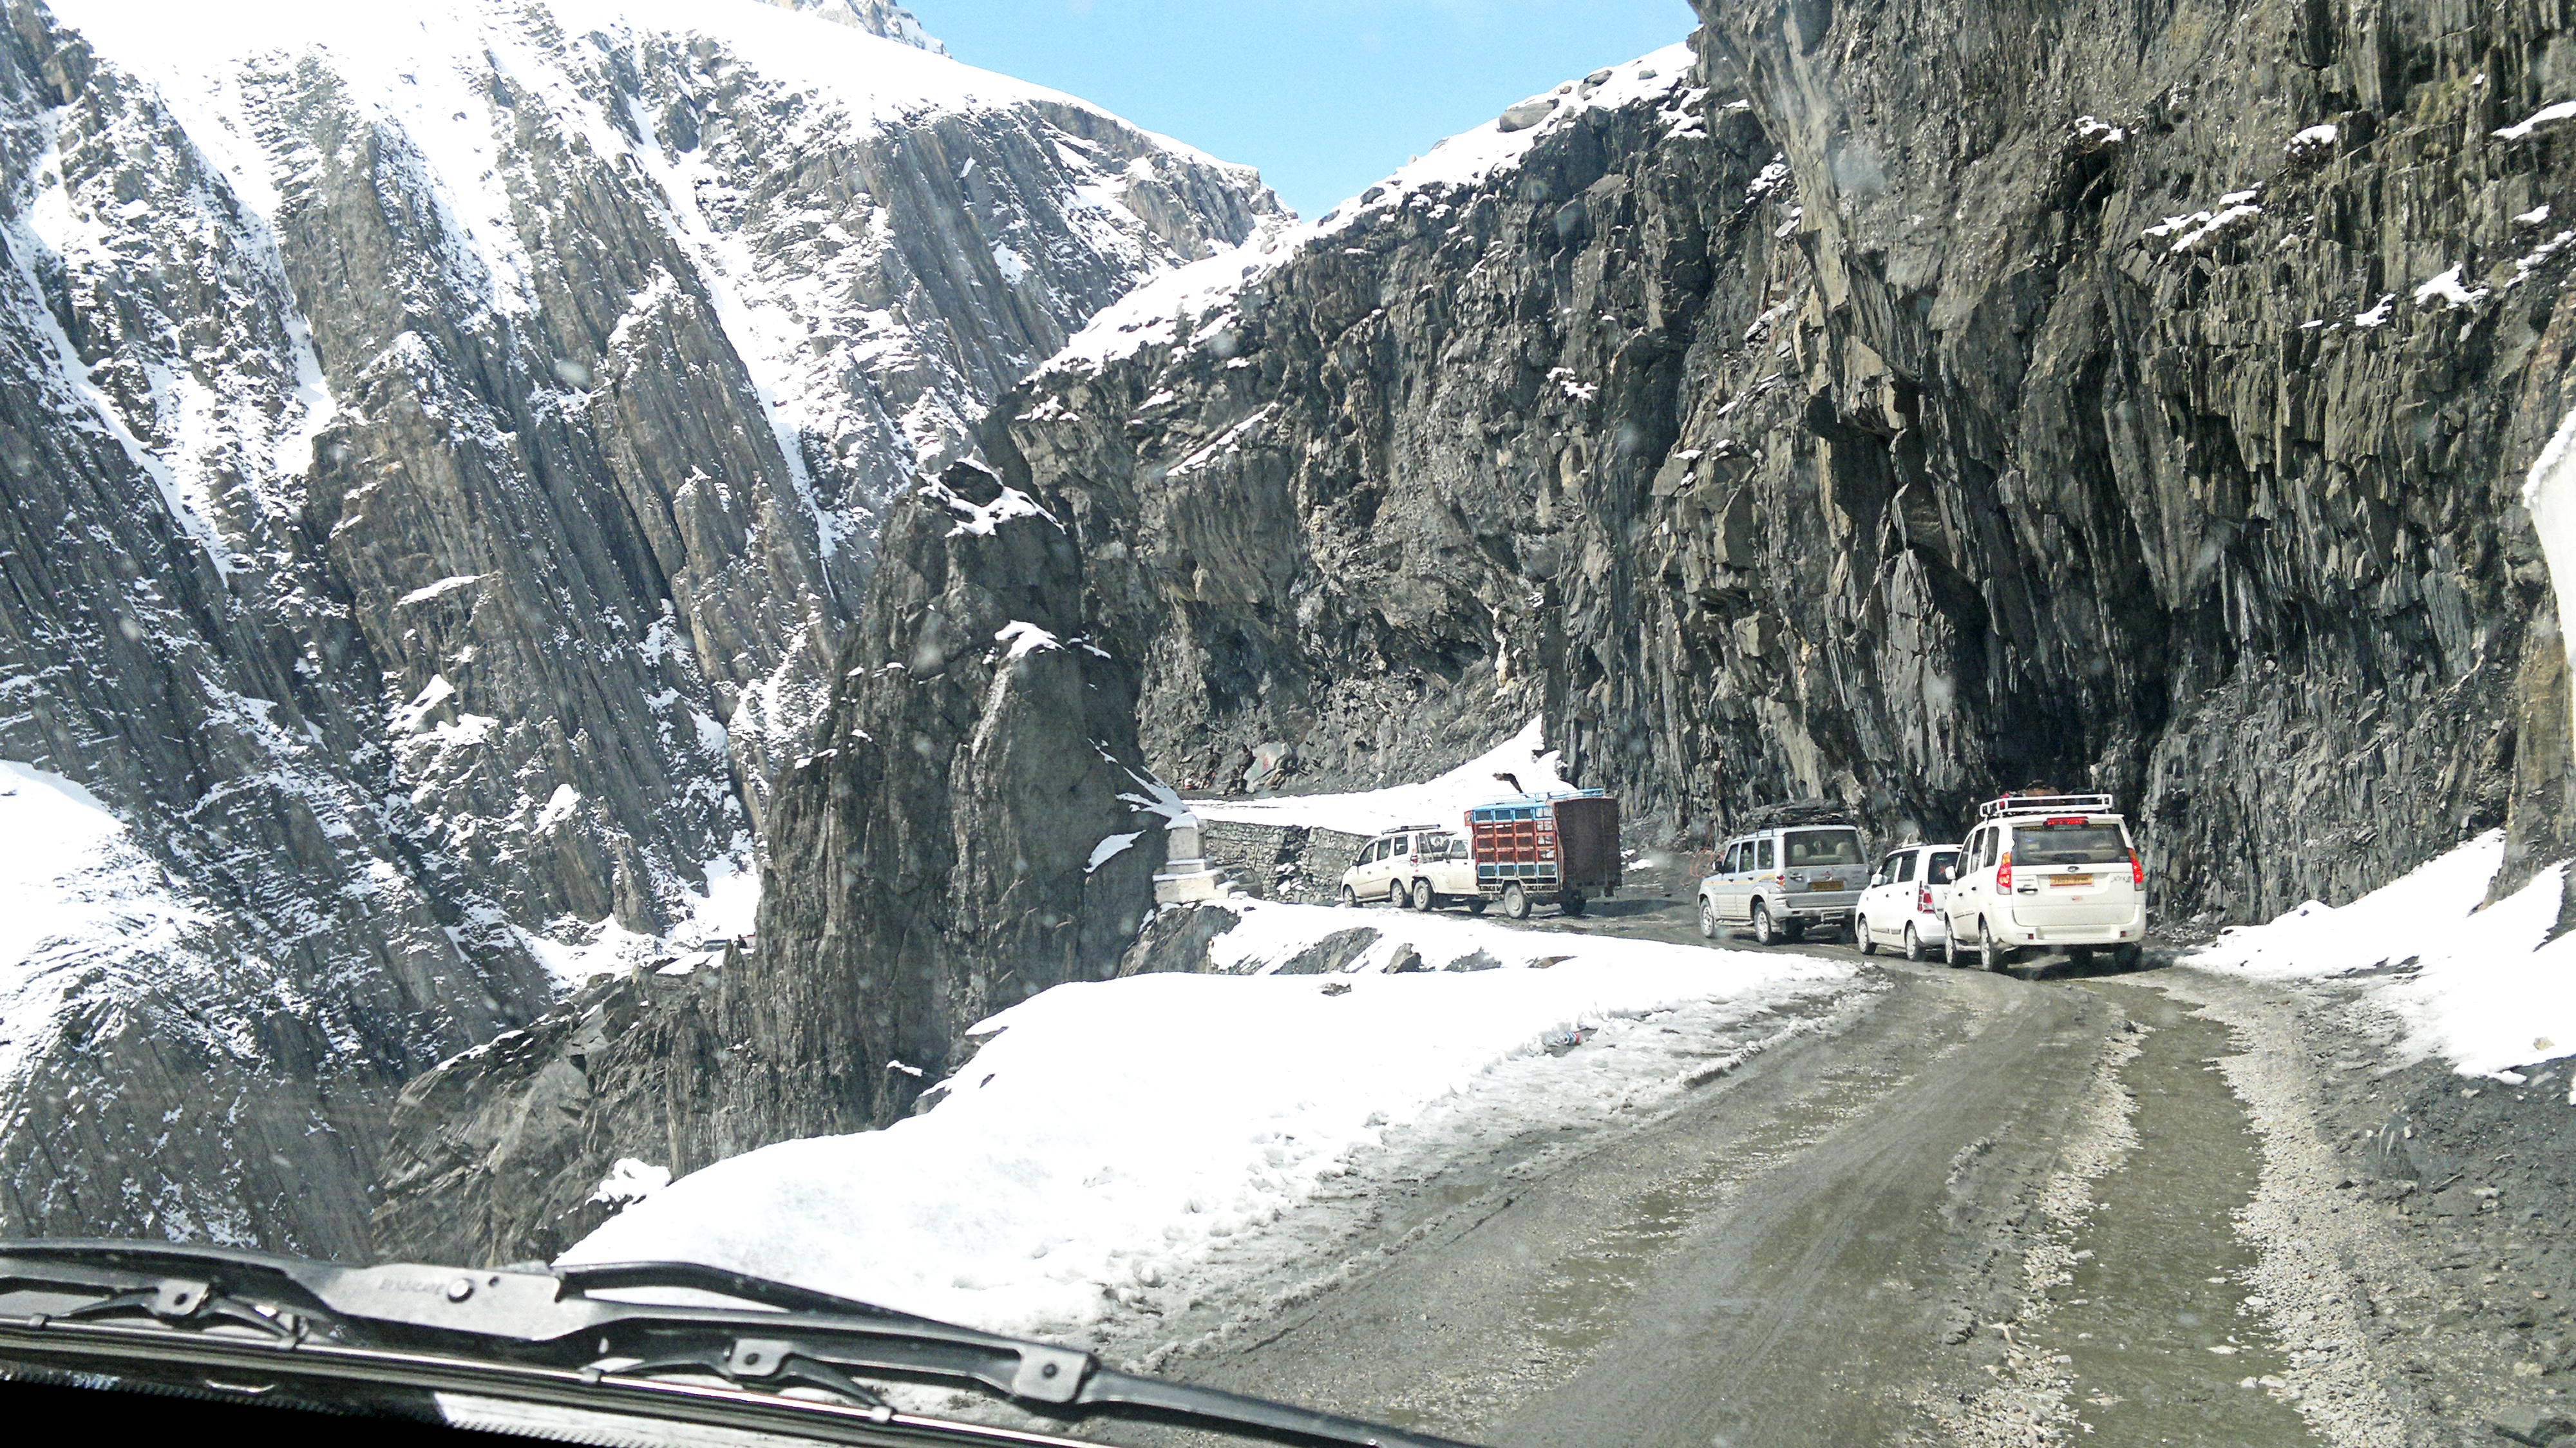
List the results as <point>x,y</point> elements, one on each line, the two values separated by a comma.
<point>1821,847</point>
<point>2074,844</point>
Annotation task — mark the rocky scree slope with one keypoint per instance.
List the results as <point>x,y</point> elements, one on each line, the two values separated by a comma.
<point>442,456</point>
<point>1890,402</point>
<point>2130,396</point>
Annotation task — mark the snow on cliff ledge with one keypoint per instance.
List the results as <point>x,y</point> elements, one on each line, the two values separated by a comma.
<point>1436,801</point>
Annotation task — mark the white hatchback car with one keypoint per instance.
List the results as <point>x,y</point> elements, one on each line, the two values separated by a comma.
<point>1901,909</point>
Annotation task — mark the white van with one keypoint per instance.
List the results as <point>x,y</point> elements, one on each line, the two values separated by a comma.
<point>1901,909</point>
<point>2048,872</point>
<point>1420,865</point>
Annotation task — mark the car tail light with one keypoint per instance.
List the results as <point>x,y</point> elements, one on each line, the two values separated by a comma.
<point>2003,872</point>
<point>2137,871</point>
<point>2068,820</point>
<point>1923,899</point>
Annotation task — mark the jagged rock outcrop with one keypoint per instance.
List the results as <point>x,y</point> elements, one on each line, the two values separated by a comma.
<point>975,826</point>
<point>442,458</point>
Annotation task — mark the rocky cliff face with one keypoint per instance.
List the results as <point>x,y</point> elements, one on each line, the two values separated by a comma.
<point>2127,396</point>
<point>442,459</point>
<point>1891,402</point>
<point>975,826</point>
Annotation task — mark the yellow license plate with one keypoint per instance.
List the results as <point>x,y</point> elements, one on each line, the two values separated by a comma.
<point>1824,884</point>
<point>2070,882</point>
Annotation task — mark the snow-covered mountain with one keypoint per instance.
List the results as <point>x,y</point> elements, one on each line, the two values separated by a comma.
<point>876,17</point>
<point>443,444</point>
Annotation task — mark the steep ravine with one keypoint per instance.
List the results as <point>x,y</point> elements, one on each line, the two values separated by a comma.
<point>1887,402</point>
<point>438,465</point>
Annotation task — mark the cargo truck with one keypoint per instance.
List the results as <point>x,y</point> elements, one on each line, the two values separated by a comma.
<point>1519,852</point>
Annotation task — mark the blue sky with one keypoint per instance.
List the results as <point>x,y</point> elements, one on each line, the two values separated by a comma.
<point>1325,96</point>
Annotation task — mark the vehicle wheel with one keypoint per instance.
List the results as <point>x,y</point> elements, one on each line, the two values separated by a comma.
<point>1950,948</point>
<point>2129,956</point>
<point>1992,954</point>
<point>1764,932</point>
<point>1397,895</point>
<point>1350,898</point>
<point>1423,899</point>
<point>2080,958</point>
<point>1515,904</point>
<point>1861,936</point>
<point>1571,902</point>
<point>1913,943</point>
<point>1793,930</point>
<point>1476,904</point>
<point>1707,918</point>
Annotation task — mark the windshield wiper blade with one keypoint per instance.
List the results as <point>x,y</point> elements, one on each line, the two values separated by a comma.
<point>550,1336</point>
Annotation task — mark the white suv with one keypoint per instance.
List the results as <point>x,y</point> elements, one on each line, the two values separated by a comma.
<point>2053,872</point>
<point>1901,908</point>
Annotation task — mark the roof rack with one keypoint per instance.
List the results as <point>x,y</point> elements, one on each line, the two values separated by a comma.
<point>1792,813</point>
<point>2022,804</point>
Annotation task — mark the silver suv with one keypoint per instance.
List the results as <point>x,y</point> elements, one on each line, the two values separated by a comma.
<point>1779,882</point>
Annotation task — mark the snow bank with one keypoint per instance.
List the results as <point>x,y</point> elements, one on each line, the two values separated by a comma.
<point>1435,801</point>
<point>2485,992</point>
<point>1269,934</point>
<point>1109,1136</point>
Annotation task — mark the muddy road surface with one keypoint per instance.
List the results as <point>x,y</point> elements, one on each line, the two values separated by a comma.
<point>1974,1208</point>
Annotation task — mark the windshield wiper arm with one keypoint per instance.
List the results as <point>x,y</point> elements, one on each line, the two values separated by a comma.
<point>550,1335</point>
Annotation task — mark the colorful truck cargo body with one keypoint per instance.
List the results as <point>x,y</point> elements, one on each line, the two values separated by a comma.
<point>1559,850</point>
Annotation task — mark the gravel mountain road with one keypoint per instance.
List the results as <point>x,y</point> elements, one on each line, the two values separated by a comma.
<point>1973,1208</point>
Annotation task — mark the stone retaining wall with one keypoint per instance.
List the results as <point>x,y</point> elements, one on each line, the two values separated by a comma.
<point>1280,862</point>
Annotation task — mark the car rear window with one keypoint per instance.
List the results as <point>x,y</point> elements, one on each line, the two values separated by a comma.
<point>1941,868</point>
<point>1823,847</point>
<point>2087,844</point>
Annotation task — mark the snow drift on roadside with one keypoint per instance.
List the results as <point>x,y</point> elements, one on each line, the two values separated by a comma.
<point>2485,992</point>
<point>1114,1134</point>
<point>1434,801</point>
